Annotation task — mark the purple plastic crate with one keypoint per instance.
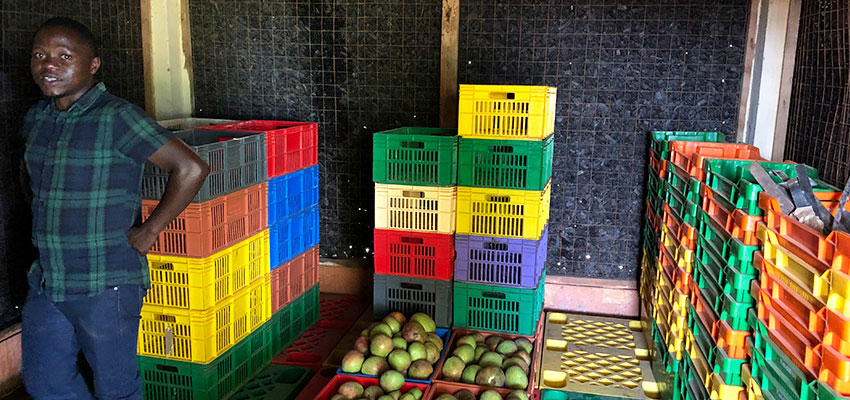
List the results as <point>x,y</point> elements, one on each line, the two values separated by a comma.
<point>500,261</point>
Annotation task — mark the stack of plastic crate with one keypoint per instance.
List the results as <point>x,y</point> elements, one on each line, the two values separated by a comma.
<point>291,155</point>
<point>801,324</point>
<point>415,174</point>
<point>504,185</point>
<point>202,328</point>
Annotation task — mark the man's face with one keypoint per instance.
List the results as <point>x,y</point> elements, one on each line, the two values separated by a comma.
<point>63,65</point>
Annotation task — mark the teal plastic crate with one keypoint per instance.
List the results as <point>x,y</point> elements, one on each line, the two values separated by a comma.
<point>677,178</point>
<point>734,312</point>
<point>275,381</point>
<point>739,255</point>
<point>701,334</point>
<point>707,284</point>
<point>693,190</point>
<point>499,309</point>
<point>654,184</point>
<point>505,164</point>
<point>659,140</point>
<point>415,156</point>
<point>734,182</point>
<point>728,369</point>
<point>737,284</point>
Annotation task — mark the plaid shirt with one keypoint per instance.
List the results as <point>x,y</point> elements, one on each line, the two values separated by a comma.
<point>85,167</point>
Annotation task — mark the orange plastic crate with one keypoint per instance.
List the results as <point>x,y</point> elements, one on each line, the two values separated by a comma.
<point>719,214</point>
<point>834,369</point>
<point>743,226</point>
<point>792,343</point>
<point>814,242</point>
<point>690,155</point>
<point>841,255</point>
<point>667,262</point>
<point>802,310</point>
<point>703,310</point>
<point>732,341</point>
<point>837,331</point>
<point>203,229</point>
<point>657,165</point>
<point>812,333</point>
<point>688,236</point>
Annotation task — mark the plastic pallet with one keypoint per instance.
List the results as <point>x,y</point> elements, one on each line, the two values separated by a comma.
<point>610,367</point>
<point>498,309</point>
<point>444,336</point>
<point>500,261</point>
<point>289,145</point>
<point>314,345</point>
<point>347,342</point>
<point>201,284</point>
<point>412,295</point>
<point>415,208</point>
<point>333,386</point>
<point>414,254</point>
<point>505,164</point>
<point>203,229</point>
<point>506,112</point>
<point>520,214</point>
<point>293,236</point>
<point>415,156</point>
<point>294,278</point>
<point>234,165</point>
<point>292,193</point>
<point>281,382</point>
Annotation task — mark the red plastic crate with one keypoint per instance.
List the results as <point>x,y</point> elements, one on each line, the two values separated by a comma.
<point>294,278</point>
<point>313,346</point>
<point>333,386</point>
<point>414,254</point>
<point>290,146</point>
<point>203,229</point>
<point>439,388</point>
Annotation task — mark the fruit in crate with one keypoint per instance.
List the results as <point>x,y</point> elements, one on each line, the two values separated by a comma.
<point>492,361</point>
<point>465,394</point>
<point>409,346</point>
<point>354,391</point>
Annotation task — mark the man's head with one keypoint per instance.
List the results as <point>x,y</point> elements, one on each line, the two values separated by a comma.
<point>64,60</point>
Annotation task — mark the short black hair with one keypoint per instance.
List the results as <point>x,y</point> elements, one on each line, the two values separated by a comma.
<point>82,30</point>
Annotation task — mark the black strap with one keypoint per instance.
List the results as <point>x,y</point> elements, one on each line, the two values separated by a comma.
<point>817,206</point>
<point>769,186</point>
<point>842,221</point>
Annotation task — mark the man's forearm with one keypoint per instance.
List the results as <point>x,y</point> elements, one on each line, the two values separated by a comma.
<point>182,186</point>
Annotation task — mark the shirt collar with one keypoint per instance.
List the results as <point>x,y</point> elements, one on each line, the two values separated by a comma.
<point>84,102</point>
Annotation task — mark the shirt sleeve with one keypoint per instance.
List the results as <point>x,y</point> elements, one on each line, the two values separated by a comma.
<point>137,135</point>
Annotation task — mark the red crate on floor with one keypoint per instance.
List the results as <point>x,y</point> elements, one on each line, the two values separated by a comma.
<point>333,386</point>
<point>293,278</point>
<point>203,229</point>
<point>290,146</point>
<point>414,254</point>
<point>313,346</point>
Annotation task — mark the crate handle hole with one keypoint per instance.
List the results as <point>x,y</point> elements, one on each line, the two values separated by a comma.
<point>502,95</point>
<point>167,368</point>
<point>412,193</point>
<point>495,295</point>
<point>412,286</point>
<point>411,240</point>
<point>496,246</point>
<point>502,149</point>
<point>413,145</point>
<point>499,199</point>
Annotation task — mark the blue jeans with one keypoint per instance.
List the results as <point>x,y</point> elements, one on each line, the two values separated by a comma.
<point>104,327</point>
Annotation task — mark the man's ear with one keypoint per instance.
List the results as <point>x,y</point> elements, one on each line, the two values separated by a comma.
<point>95,65</point>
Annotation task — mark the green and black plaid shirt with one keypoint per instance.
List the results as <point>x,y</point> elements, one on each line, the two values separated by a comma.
<point>85,167</point>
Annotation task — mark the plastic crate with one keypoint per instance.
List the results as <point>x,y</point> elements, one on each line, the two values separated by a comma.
<point>444,336</point>
<point>314,345</point>
<point>797,307</point>
<point>660,140</point>
<point>500,261</point>
<point>292,279</point>
<point>289,145</point>
<point>293,236</point>
<point>234,164</point>
<point>415,156</point>
<point>333,386</point>
<point>505,164</point>
<point>813,279</point>
<point>200,284</point>
<point>274,382</point>
<point>181,124</point>
<point>186,335</point>
<point>440,388</point>
<point>414,254</point>
<point>506,112</point>
<point>690,156</point>
<point>292,193</point>
<point>202,229</point>
<point>411,295</point>
<point>772,368</point>
<point>728,369</point>
<point>815,243</point>
<point>169,379</point>
<point>415,208</point>
<point>306,313</point>
<point>498,309</point>
<point>791,342</point>
<point>251,308</point>
<point>520,214</point>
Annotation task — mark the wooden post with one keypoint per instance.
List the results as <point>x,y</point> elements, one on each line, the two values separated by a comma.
<point>166,48</point>
<point>448,64</point>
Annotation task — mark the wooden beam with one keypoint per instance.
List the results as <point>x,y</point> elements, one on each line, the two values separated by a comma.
<point>167,58</point>
<point>786,82</point>
<point>749,60</point>
<point>448,64</point>
<point>147,56</point>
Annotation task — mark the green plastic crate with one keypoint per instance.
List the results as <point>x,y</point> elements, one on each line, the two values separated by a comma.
<point>715,235</point>
<point>772,373</point>
<point>505,164</point>
<point>678,179</point>
<point>739,255</point>
<point>693,191</point>
<point>665,368</point>
<point>734,182</point>
<point>737,284</point>
<point>168,379</point>
<point>701,334</point>
<point>692,387</point>
<point>734,312</point>
<point>500,309</point>
<point>415,156</point>
<point>824,392</point>
<point>709,259</point>
<point>305,311</point>
<point>659,140</point>
<point>729,369</point>
<point>275,381</point>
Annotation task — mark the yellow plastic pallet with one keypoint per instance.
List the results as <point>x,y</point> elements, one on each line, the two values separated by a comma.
<point>595,355</point>
<point>506,112</point>
<point>201,283</point>
<point>415,208</point>
<point>520,214</point>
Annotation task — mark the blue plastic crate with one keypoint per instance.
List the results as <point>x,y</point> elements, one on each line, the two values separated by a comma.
<point>293,236</point>
<point>292,193</point>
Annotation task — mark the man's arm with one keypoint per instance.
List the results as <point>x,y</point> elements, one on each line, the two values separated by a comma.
<point>186,174</point>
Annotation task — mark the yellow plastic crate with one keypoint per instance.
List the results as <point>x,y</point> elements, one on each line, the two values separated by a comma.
<point>679,301</point>
<point>752,387</point>
<point>186,335</point>
<point>684,258</point>
<point>506,213</point>
<point>805,276</point>
<point>839,292</point>
<point>415,208</point>
<point>670,240</point>
<point>506,112</point>
<point>252,307</point>
<point>201,283</point>
<point>719,391</point>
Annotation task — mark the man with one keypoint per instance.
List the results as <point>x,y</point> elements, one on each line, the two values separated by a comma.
<point>84,155</point>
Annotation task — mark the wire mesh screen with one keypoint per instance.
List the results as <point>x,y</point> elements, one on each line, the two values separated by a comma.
<point>819,120</point>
